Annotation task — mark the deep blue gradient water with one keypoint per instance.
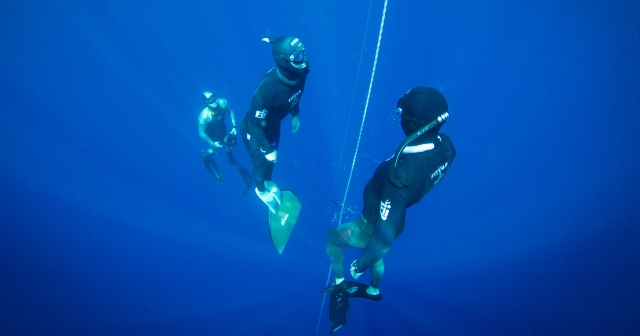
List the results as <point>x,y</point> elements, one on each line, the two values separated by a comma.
<point>110,224</point>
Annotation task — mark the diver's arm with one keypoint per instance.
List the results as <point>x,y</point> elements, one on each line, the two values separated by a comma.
<point>295,110</point>
<point>256,121</point>
<point>232,116</point>
<point>203,120</point>
<point>226,106</point>
<point>295,116</point>
<point>390,218</point>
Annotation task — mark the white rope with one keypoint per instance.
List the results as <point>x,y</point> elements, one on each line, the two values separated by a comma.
<point>353,96</point>
<point>355,154</point>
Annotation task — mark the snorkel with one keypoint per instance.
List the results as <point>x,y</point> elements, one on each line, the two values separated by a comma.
<point>396,178</point>
<point>441,119</point>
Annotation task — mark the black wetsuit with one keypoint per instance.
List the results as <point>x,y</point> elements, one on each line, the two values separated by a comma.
<point>385,205</point>
<point>271,102</point>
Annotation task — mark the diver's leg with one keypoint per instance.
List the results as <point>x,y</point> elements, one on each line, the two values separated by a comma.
<point>377,270</point>
<point>248,181</point>
<point>244,174</point>
<point>274,138</point>
<point>212,168</point>
<point>246,177</point>
<point>349,235</point>
<point>260,163</point>
<point>230,157</point>
<point>262,192</point>
<point>261,166</point>
<point>256,156</point>
<point>260,169</point>
<point>336,257</point>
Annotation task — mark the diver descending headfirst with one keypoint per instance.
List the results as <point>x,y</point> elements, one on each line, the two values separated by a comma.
<point>419,164</point>
<point>277,95</point>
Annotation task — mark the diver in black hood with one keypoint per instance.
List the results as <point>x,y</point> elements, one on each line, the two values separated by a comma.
<point>420,162</point>
<point>278,94</point>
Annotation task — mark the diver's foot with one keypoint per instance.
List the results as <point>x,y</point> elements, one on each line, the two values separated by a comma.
<point>373,291</point>
<point>358,290</point>
<point>336,287</point>
<point>273,189</point>
<point>268,199</point>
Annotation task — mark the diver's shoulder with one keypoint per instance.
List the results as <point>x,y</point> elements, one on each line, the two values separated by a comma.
<point>268,82</point>
<point>205,115</point>
<point>447,144</point>
<point>445,138</point>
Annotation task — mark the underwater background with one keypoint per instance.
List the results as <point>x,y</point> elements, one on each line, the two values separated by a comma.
<point>110,225</point>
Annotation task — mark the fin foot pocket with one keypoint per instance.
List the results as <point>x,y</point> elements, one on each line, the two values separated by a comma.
<point>358,290</point>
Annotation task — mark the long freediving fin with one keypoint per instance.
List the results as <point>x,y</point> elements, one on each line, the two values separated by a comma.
<point>244,174</point>
<point>338,309</point>
<point>281,223</point>
<point>338,305</point>
<point>358,290</point>
<point>212,168</point>
<point>339,301</point>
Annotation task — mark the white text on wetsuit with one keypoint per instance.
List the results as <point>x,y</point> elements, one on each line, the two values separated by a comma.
<point>438,171</point>
<point>295,98</point>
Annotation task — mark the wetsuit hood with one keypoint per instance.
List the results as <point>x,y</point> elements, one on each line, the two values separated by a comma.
<point>291,59</point>
<point>419,106</point>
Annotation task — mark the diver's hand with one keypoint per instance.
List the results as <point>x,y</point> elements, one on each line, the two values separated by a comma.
<point>217,145</point>
<point>233,130</point>
<point>295,124</point>
<point>273,156</point>
<point>354,270</point>
<point>210,151</point>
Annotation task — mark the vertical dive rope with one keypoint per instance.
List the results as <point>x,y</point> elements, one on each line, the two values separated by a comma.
<point>355,154</point>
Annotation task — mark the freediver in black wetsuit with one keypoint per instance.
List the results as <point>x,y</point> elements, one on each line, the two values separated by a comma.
<point>420,164</point>
<point>213,130</point>
<point>278,94</point>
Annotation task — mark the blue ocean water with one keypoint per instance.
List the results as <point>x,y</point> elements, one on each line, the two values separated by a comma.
<point>110,224</point>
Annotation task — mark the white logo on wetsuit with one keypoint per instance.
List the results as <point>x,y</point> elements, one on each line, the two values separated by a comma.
<point>261,114</point>
<point>295,98</point>
<point>385,207</point>
<point>439,173</point>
